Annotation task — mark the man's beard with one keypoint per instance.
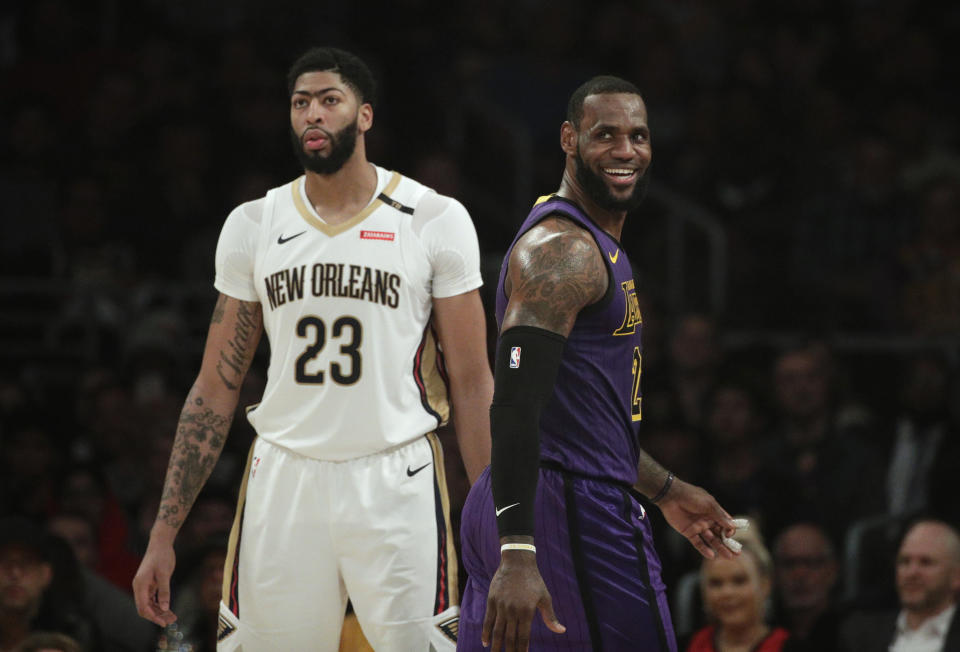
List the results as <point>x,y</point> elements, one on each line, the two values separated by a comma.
<point>600,194</point>
<point>342,145</point>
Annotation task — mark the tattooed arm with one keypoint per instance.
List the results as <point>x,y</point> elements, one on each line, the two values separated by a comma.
<point>232,339</point>
<point>555,270</point>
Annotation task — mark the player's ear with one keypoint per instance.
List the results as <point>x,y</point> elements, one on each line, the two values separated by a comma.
<point>568,138</point>
<point>364,118</point>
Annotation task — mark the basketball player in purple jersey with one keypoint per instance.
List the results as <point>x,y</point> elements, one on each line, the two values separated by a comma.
<point>554,524</point>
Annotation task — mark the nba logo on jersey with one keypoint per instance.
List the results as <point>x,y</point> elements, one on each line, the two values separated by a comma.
<point>514,357</point>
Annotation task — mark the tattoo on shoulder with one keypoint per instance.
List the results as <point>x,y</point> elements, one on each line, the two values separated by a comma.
<point>560,273</point>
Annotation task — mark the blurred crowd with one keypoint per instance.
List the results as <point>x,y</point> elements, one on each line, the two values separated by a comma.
<point>822,137</point>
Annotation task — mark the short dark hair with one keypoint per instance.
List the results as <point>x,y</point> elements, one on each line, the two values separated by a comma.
<point>355,73</point>
<point>599,85</point>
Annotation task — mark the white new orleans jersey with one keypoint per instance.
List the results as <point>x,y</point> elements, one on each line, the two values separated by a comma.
<point>354,367</point>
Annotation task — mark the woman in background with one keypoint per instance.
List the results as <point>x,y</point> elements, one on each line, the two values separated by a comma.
<point>735,594</point>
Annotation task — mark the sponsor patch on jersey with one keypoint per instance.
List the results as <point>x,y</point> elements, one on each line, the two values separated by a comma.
<point>377,235</point>
<point>514,357</point>
<point>450,628</point>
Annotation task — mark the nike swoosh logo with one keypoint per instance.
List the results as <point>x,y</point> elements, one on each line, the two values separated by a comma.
<point>614,256</point>
<point>282,240</point>
<point>503,509</point>
<point>413,472</point>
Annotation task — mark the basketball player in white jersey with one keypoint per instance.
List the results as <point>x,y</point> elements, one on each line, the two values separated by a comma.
<point>366,284</point>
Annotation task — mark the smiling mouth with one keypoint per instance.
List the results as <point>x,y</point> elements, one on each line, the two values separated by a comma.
<point>620,176</point>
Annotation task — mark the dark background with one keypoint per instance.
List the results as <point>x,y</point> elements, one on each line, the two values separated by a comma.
<point>806,188</point>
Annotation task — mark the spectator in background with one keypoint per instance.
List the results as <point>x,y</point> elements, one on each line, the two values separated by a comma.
<point>111,610</point>
<point>925,456</point>
<point>806,572</point>
<point>197,603</point>
<point>733,422</point>
<point>930,262</point>
<point>32,597</point>
<point>735,594</point>
<point>101,616</point>
<point>211,516</point>
<point>84,491</point>
<point>813,467</point>
<point>79,532</point>
<point>928,582</point>
<point>31,459</point>
<point>25,573</point>
<point>692,367</point>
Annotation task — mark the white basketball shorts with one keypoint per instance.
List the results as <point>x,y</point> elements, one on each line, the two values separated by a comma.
<point>310,533</point>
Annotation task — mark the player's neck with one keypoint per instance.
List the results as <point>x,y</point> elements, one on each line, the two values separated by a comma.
<point>339,196</point>
<point>609,221</point>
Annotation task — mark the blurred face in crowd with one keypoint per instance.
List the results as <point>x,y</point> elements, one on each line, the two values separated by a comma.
<point>928,568</point>
<point>732,417</point>
<point>805,568</point>
<point>24,576</point>
<point>83,493</point>
<point>79,533</point>
<point>734,590</point>
<point>611,150</point>
<point>693,346</point>
<point>801,385</point>
<point>326,117</point>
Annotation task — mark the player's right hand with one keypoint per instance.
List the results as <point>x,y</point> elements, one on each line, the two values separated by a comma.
<point>151,584</point>
<point>516,592</point>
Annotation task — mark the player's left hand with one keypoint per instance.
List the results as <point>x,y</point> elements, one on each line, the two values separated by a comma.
<point>697,515</point>
<point>516,594</point>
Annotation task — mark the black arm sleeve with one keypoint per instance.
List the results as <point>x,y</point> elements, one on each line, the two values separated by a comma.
<point>525,370</point>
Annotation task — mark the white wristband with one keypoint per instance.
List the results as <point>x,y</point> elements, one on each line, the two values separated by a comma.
<point>519,546</point>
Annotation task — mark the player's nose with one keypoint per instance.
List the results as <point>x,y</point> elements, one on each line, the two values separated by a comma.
<point>315,111</point>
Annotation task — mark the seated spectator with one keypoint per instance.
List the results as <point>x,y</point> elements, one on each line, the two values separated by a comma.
<point>925,456</point>
<point>31,599</point>
<point>930,261</point>
<point>111,611</point>
<point>733,423</point>
<point>79,532</point>
<point>928,582</point>
<point>30,453</point>
<point>735,594</point>
<point>694,354</point>
<point>814,467</point>
<point>806,572</point>
<point>196,595</point>
<point>85,491</point>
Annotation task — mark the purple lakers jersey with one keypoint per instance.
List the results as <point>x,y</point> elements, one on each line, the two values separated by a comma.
<point>590,424</point>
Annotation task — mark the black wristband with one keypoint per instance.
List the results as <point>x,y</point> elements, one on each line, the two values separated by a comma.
<point>525,369</point>
<point>665,488</point>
